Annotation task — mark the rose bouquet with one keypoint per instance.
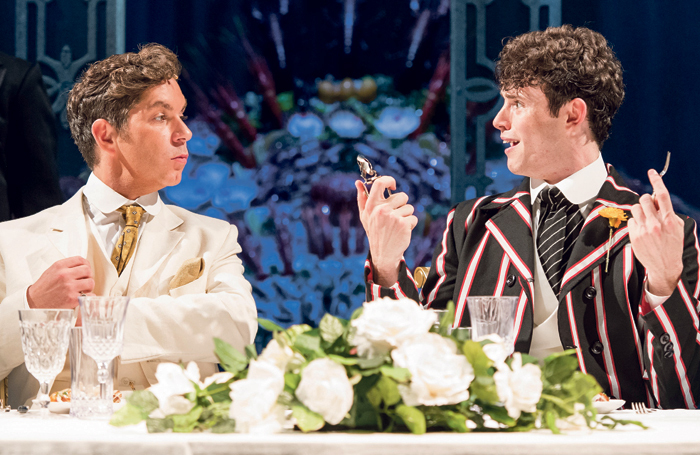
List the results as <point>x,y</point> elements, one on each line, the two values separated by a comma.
<point>391,367</point>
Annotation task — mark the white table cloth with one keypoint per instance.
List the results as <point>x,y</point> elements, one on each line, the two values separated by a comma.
<point>671,432</point>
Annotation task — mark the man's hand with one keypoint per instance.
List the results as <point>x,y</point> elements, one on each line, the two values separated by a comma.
<point>61,284</point>
<point>656,233</point>
<point>388,223</point>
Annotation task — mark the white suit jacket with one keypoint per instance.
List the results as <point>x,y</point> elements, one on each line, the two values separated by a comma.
<point>162,324</point>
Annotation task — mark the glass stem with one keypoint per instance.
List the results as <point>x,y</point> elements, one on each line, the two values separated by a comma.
<point>102,376</point>
<point>43,398</point>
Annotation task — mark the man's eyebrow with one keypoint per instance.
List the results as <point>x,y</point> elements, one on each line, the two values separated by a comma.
<point>165,105</point>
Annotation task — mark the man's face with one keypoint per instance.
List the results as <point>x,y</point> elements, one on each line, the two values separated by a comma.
<point>152,147</point>
<point>537,142</point>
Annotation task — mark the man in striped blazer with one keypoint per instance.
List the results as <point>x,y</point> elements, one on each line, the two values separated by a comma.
<point>627,302</point>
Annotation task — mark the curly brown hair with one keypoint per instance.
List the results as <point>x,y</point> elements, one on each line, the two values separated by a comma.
<point>110,88</point>
<point>566,63</point>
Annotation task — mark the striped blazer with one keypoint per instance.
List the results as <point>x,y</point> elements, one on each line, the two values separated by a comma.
<point>487,249</point>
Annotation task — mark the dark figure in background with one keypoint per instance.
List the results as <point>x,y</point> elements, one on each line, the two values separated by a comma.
<point>28,172</point>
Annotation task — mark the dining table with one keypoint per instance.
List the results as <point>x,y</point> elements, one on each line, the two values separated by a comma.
<point>669,432</point>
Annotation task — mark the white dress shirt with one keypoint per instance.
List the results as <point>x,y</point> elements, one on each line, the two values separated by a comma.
<point>106,223</point>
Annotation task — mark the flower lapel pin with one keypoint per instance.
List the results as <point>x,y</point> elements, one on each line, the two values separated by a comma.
<point>615,217</point>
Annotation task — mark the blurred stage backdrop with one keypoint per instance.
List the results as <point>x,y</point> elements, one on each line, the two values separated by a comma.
<point>283,95</point>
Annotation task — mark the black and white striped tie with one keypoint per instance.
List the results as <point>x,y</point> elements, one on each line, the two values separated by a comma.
<point>559,225</point>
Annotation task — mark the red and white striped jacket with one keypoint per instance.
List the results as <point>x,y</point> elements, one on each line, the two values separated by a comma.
<point>487,249</point>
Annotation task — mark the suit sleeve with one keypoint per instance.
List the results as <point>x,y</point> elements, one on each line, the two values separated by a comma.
<point>181,326</point>
<point>32,174</point>
<point>672,331</point>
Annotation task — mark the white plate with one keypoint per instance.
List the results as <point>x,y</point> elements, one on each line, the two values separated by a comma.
<point>604,407</point>
<point>59,407</point>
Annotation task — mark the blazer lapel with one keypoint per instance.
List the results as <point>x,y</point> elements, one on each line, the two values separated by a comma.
<point>67,231</point>
<point>511,227</point>
<point>159,239</point>
<point>593,242</point>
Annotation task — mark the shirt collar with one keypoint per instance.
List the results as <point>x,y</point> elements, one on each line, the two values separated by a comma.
<point>106,200</point>
<point>580,187</point>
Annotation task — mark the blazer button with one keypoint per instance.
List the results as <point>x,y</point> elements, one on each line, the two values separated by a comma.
<point>597,347</point>
<point>510,281</point>
<point>665,338</point>
<point>668,354</point>
<point>590,293</point>
<point>668,347</point>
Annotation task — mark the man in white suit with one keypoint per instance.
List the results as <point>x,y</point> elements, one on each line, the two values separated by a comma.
<point>180,269</point>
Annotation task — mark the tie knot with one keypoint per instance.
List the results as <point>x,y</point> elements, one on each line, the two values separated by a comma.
<point>552,197</point>
<point>132,214</point>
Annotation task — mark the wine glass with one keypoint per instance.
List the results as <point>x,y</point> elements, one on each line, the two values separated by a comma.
<point>103,336</point>
<point>493,316</point>
<point>45,335</point>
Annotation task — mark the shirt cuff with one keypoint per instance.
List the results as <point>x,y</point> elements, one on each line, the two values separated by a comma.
<point>652,300</point>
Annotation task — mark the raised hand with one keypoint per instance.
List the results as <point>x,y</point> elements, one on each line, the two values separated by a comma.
<point>61,284</point>
<point>656,233</point>
<point>388,222</point>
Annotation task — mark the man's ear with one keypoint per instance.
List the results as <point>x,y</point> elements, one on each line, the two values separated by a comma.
<point>577,111</point>
<point>105,135</point>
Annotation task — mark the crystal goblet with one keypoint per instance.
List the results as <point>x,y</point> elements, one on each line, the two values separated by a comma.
<point>103,336</point>
<point>45,334</point>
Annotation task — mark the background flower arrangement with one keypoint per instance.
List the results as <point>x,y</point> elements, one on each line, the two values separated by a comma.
<point>391,367</point>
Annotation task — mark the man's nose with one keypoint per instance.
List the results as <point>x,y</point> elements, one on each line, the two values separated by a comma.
<point>501,121</point>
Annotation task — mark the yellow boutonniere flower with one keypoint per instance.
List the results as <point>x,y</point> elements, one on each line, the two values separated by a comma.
<point>615,217</point>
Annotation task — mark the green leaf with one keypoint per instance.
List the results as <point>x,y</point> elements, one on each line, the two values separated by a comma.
<point>269,325</point>
<point>447,319</point>
<point>483,388</point>
<point>307,420</point>
<point>307,344</point>
<point>559,367</point>
<point>371,363</point>
<point>185,423</point>
<point>159,425</point>
<point>388,390</point>
<point>343,360</point>
<point>499,414</point>
<point>331,328</point>
<point>127,415</point>
<point>144,400</point>
<point>250,352</point>
<point>412,417</point>
<point>375,397</point>
<point>396,373</point>
<point>550,419</point>
<point>229,357</point>
<point>292,380</point>
<point>224,426</point>
<point>357,313</point>
<point>456,421</point>
<point>476,357</point>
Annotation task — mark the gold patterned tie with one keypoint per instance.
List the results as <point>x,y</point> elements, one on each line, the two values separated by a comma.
<point>126,244</point>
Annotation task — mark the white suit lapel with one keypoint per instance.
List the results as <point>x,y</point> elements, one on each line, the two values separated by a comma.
<point>155,245</point>
<point>68,231</point>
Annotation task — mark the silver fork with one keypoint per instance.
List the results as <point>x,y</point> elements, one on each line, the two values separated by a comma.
<point>663,172</point>
<point>641,408</point>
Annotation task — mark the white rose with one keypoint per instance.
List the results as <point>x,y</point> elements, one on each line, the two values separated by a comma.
<point>276,354</point>
<point>496,351</point>
<point>519,387</point>
<point>439,374</point>
<point>254,404</point>
<point>325,389</point>
<point>386,323</point>
<point>173,383</point>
